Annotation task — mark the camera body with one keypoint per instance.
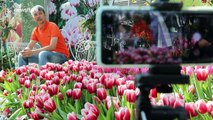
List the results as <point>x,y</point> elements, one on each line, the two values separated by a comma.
<point>162,37</point>
<point>144,36</point>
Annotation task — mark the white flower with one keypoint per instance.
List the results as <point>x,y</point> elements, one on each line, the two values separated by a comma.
<point>51,8</point>
<point>72,31</point>
<point>68,11</point>
<point>75,3</point>
<point>92,3</point>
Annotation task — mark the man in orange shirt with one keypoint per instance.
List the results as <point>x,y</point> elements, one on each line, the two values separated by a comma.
<point>48,35</point>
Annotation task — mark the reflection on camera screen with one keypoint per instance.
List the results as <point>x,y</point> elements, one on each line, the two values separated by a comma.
<point>153,37</point>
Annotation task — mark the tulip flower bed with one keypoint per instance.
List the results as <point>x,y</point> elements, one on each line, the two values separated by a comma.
<point>86,91</point>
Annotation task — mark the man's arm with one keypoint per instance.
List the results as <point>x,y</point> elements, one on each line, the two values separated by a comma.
<point>29,52</point>
<point>52,46</point>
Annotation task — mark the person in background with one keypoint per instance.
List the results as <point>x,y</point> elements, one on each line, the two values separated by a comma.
<point>47,34</point>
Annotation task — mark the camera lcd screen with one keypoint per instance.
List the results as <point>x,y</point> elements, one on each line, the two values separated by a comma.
<point>141,37</point>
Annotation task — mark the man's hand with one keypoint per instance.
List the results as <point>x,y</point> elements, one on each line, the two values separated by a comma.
<point>26,52</point>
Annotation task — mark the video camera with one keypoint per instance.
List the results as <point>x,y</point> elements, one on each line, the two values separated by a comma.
<point>163,37</point>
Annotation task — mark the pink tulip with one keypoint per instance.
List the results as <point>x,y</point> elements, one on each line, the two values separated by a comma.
<point>210,69</point>
<point>121,89</point>
<point>201,74</point>
<point>191,89</point>
<point>90,116</point>
<point>34,116</point>
<point>189,70</point>
<point>72,116</point>
<point>108,83</point>
<point>201,106</point>
<point>10,80</point>
<point>190,108</point>
<point>6,112</point>
<point>43,86</point>
<point>120,81</point>
<point>34,87</point>
<point>56,80</point>
<point>19,91</point>
<point>90,112</point>
<point>27,83</point>
<point>76,93</point>
<point>78,85</point>
<point>79,78</point>
<point>49,75</point>
<point>50,105</point>
<point>178,102</point>
<point>69,93</point>
<point>96,99</point>
<point>28,103</point>
<point>18,71</point>
<point>21,81</point>
<point>209,105</point>
<point>53,89</point>
<point>91,87</point>
<point>109,100</point>
<point>130,95</point>
<point>32,76</point>
<point>101,93</point>
<point>39,101</point>
<point>130,84</point>
<point>122,114</point>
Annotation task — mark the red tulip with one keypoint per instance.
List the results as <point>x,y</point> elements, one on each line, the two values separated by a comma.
<point>32,76</point>
<point>72,116</point>
<point>130,95</point>
<point>28,103</point>
<point>5,93</point>
<point>153,93</point>
<point>6,112</point>
<point>27,83</point>
<point>108,82</point>
<point>76,93</point>
<point>130,84</point>
<point>78,85</point>
<point>122,114</point>
<point>101,93</point>
<point>120,81</point>
<point>21,81</point>
<point>204,1</point>
<point>209,105</point>
<point>69,93</point>
<point>191,89</point>
<point>56,80</point>
<point>109,100</point>
<point>34,116</point>
<point>201,106</point>
<point>190,108</point>
<point>53,89</point>
<point>60,96</point>
<point>91,87</point>
<point>96,99</point>
<point>201,74</point>
<point>10,80</point>
<point>90,112</point>
<point>50,105</point>
<point>121,89</point>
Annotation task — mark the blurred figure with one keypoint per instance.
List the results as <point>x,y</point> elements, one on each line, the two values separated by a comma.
<point>47,34</point>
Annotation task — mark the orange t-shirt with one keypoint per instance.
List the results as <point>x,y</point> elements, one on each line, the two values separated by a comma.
<point>43,36</point>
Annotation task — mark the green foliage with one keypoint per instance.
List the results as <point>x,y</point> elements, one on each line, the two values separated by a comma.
<point>28,23</point>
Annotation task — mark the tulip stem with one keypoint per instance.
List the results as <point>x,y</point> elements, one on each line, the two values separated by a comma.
<point>198,89</point>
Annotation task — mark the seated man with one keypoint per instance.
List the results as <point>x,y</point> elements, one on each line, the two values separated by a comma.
<point>47,34</point>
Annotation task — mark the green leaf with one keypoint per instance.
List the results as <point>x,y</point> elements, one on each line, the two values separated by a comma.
<point>15,114</point>
<point>63,114</point>
<point>56,116</point>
